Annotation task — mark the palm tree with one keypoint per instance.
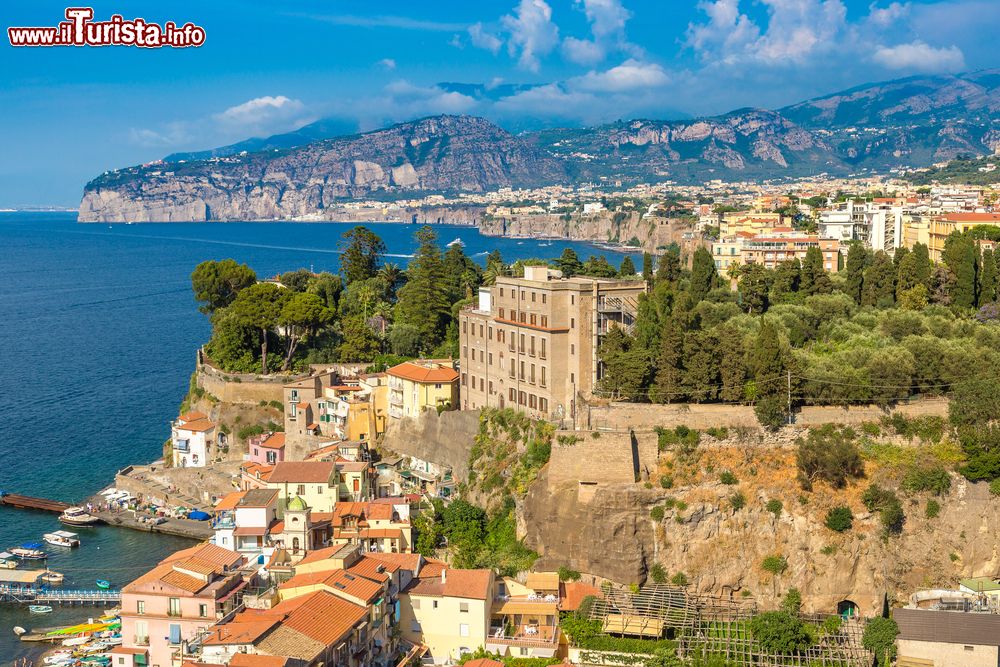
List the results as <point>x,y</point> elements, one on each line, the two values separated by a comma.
<point>391,275</point>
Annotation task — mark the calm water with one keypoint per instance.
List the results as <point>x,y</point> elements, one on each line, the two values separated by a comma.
<point>97,341</point>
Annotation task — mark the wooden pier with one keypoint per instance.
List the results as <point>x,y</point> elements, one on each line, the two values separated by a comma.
<point>30,503</point>
<point>23,592</point>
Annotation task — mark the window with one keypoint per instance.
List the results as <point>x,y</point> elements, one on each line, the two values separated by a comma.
<point>532,401</point>
<point>543,404</point>
<point>436,386</point>
<point>522,398</point>
<point>572,323</point>
<point>522,318</point>
<point>491,358</point>
<point>522,296</point>
<point>465,351</point>
<point>522,370</point>
<point>491,387</point>
<point>543,297</point>
<point>480,330</point>
<point>532,297</point>
<point>465,380</point>
<point>542,355</point>
<point>463,607</point>
<point>319,489</point>
<point>513,396</point>
<point>465,326</point>
<point>531,377</point>
<point>491,333</point>
<point>434,604</point>
<point>174,607</point>
<point>532,319</point>
<point>572,378</point>
<point>545,320</point>
<point>140,607</point>
<point>141,633</point>
<point>463,629</point>
<point>415,602</point>
<point>543,376</point>
<point>301,490</point>
<point>531,350</point>
<point>520,348</point>
<point>512,368</point>
<point>203,610</point>
<point>501,291</point>
<point>501,313</point>
<point>572,299</point>
<point>572,348</point>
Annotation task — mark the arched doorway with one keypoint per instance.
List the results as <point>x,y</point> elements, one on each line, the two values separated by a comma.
<point>848,609</point>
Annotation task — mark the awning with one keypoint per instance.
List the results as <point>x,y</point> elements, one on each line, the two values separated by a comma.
<point>522,607</point>
<point>250,531</point>
<point>627,624</point>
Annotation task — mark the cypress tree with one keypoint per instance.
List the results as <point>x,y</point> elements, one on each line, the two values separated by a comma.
<point>879,282</point>
<point>647,267</point>
<point>753,288</point>
<point>733,367</point>
<point>899,256</point>
<point>768,365</point>
<point>857,257</point>
<point>669,268</point>
<point>922,264</point>
<point>960,257</point>
<point>988,278</point>
<point>627,269</point>
<point>701,366</point>
<point>908,275</point>
<point>814,277</point>
<point>702,274</point>
<point>670,365</point>
<point>787,279</point>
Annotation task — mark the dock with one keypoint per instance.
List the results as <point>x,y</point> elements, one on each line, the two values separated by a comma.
<point>23,587</point>
<point>31,503</point>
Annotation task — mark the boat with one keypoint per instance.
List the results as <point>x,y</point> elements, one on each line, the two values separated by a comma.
<point>457,241</point>
<point>29,551</point>
<point>103,583</point>
<point>18,630</point>
<point>76,641</point>
<point>62,538</point>
<point>77,516</point>
<point>51,577</point>
<point>40,609</point>
<point>8,560</point>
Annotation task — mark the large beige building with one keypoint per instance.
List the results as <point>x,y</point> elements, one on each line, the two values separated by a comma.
<point>934,230</point>
<point>531,343</point>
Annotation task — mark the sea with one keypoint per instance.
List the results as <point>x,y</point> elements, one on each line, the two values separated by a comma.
<point>98,333</point>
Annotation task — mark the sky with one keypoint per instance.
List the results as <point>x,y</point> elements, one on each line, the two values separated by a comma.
<point>70,113</point>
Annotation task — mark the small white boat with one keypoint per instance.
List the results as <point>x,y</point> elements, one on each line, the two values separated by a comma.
<point>28,553</point>
<point>18,630</point>
<point>40,609</point>
<point>457,241</point>
<point>53,577</point>
<point>77,516</point>
<point>76,641</point>
<point>62,538</point>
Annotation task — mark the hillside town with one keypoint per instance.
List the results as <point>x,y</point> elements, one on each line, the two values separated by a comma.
<point>339,537</point>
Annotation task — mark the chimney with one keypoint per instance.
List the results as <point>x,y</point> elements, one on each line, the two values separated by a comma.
<point>444,576</point>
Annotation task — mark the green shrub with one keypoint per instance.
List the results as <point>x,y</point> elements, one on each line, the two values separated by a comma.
<point>780,632</point>
<point>657,574</point>
<point>933,509</point>
<point>774,506</point>
<point>933,478</point>
<point>669,503</point>
<point>679,579</point>
<point>718,432</point>
<point>828,550</point>
<point>880,638</point>
<point>728,478</point>
<point>828,453</point>
<point>666,481</point>
<point>792,602</point>
<point>775,564</point>
<point>954,557</point>
<point>892,518</point>
<point>737,501</point>
<point>871,428</point>
<point>681,505</point>
<point>875,497</point>
<point>656,514</point>
<point>839,519</point>
<point>995,487</point>
<point>566,574</point>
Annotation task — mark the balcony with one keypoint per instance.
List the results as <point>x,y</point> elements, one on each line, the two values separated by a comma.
<point>224,523</point>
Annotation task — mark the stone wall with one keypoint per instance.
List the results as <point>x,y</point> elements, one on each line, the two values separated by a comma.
<point>607,459</point>
<point>647,416</point>
<point>443,439</point>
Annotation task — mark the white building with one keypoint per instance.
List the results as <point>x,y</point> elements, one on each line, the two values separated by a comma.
<point>192,437</point>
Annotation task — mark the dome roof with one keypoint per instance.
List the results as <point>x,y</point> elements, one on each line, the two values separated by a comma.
<point>296,504</point>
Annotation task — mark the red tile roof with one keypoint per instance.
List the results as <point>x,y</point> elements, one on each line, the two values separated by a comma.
<point>196,426</point>
<point>472,584</point>
<point>274,441</point>
<point>414,372</point>
<point>302,472</point>
<point>249,660</point>
<point>322,616</point>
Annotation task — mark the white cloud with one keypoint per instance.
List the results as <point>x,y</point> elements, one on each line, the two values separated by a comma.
<point>918,56</point>
<point>630,75</point>
<point>727,31</point>
<point>885,17</point>
<point>532,32</point>
<point>582,51</point>
<point>607,20</point>
<point>387,63</point>
<point>484,40</point>
<point>261,111</point>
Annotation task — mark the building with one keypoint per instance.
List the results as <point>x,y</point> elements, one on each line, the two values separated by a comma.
<point>448,610</point>
<point>244,521</point>
<point>415,386</point>
<point>741,222</point>
<point>935,638</point>
<point>773,249</point>
<point>940,227</point>
<point>176,600</point>
<point>728,251</point>
<point>192,437</point>
<point>267,449</point>
<point>531,343</point>
<point>524,621</point>
<point>315,482</point>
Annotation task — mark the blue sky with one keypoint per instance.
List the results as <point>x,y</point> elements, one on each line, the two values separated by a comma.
<point>266,67</point>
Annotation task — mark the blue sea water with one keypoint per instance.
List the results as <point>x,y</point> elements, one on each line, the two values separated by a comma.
<point>98,332</point>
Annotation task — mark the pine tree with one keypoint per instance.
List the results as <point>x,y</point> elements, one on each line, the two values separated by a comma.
<point>627,269</point>
<point>960,257</point>
<point>857,258</point>
<point>733,366</point>
<point>787,277</point>
<point>988,278</point>
<point>647,267</point>
<point>569,263</point>
<point>922,264</point>
<point>423,301</point>
<point>899,256</point>
<point>670,364</point>
<point>361,253</point>
<point>702,274</point>
<point>879,282</point>
<point>814,277</point>
<point>701,366</point>
<point>669,268</point>
<point>647,327</point>
<point>753,288</point>
<point>768,364</point>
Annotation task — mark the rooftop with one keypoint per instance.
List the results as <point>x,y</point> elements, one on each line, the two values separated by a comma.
<point>299,472</point>
<point>424,372</point>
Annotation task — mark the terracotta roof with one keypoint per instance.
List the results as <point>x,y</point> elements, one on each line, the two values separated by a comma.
<point>545,581</point>
<point>258,498</point>
<point>375,570</point>
<point>323,451</point>
<point>250,531</point>
<point>425,374</point>
<point>321,616</point>
<point>573,593</point>
<point>972,217</point>
<point>245,632</point>
<point>337,580</point>
<point>483,662</point>
<point>302,472</point>
<point>321,554</point>
<point>249,660</point>
<point>432,568</point>
<point>206,552</point>
<point>183,581</point>
<point>381,533</point>
<point>379,511</point>
<point>291,643</point>
<point>230,501</point>
<point>196,426</point>
<point>352,466</point>
<point>409,562</point>
<point>472,584</point>
<point>274,441</point>
<point>193,415</point>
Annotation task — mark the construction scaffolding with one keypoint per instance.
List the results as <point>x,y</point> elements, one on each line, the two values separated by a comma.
<point>706,626</point>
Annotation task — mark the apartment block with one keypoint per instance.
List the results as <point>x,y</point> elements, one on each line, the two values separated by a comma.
<point>531,343</point>
<point>772,250</point>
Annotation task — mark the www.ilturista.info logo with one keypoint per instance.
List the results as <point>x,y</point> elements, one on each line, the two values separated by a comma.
<point>79,29</point>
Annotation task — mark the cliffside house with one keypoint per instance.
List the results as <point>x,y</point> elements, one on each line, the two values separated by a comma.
<point>448,610</point>
<point>524,621</point>
<point>315,482</point>
<point>244,522</point>
<point>415,386</point>
<point>938,638</point>
<point>192,437</point>
<point>531,343</point>
<point>172,603</point>
<point>267,448</point>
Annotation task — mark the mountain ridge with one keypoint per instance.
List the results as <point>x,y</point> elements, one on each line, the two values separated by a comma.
<point>918,121</point>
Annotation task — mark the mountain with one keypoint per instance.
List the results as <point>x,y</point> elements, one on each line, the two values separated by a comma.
<point>910,122</point>
<point>438,154</point>
<point>328,128</point>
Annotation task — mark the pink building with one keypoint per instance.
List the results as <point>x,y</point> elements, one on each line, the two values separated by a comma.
<point>186,593</point>
<point>267,449</point>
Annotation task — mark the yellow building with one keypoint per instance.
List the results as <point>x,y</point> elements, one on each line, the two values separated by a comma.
<point>415,386</point>
<point>448,610</point>
<point>315,482</point>
<point>734,223</point>
<point>345,412</point>
<point>941,226</point>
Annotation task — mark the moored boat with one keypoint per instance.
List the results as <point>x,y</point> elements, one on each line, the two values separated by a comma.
<point>51,577</point>
<point>39,609</point>
<point>77,516</point>
<point>29,551</point>
<point>62,538</point>
<point>103,583</point>
<point>76,641</point>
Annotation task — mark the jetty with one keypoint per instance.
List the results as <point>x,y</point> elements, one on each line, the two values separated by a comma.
<point>32,503</point>
<point>25,587</point>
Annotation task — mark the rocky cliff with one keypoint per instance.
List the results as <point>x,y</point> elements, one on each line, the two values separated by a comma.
<point>439,154</point>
